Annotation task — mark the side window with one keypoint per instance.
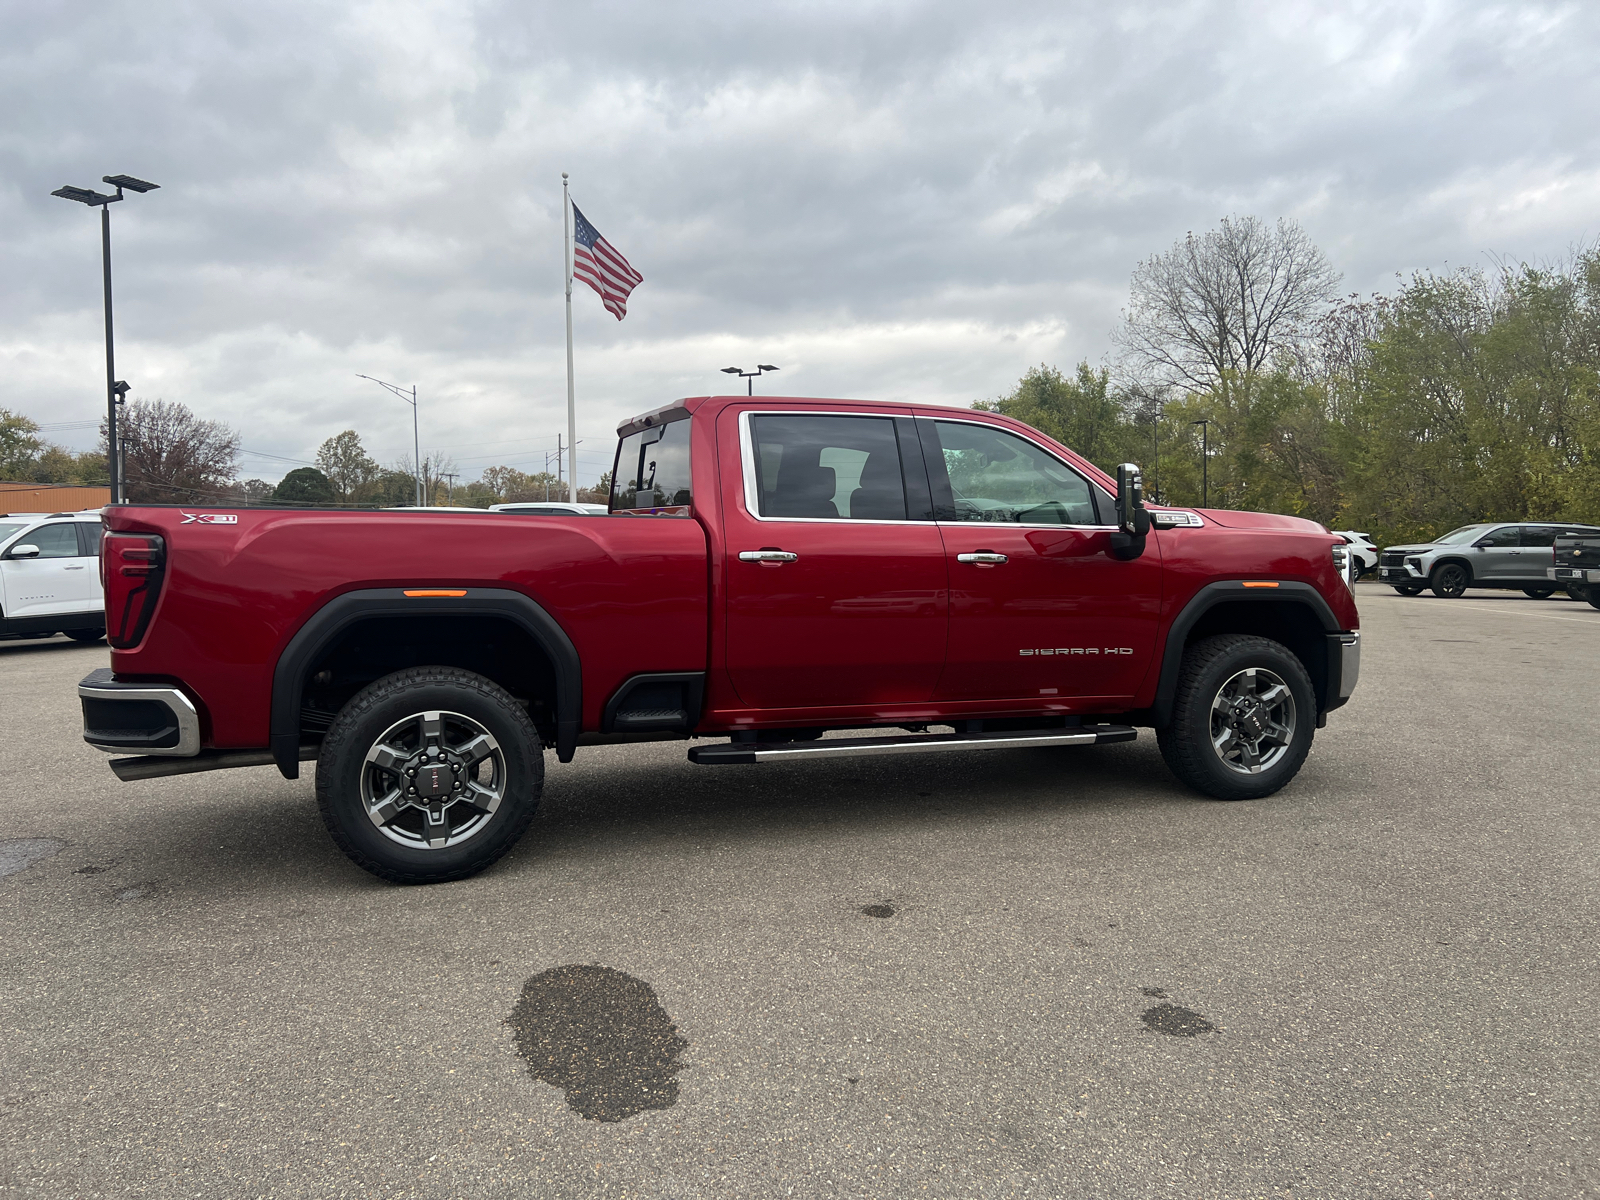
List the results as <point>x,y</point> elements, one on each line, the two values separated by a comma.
<point>1539,535</point>
<point>830,467</point>
<point>997,476</point>
<point>89,538</point>
<point>1499,539</point>
<point>652,471</point>
<point>54,541</point>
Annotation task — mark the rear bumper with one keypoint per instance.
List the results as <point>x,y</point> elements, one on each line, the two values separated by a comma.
<point>1573,575</point>
<point>137,718</point>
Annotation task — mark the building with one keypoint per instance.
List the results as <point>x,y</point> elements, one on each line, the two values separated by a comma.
<point>49,497</point>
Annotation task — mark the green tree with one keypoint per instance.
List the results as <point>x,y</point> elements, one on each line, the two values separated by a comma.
<point>347,466</point>
<point>1080,412</point>
<point>304,485</point>
<point>19,446</point>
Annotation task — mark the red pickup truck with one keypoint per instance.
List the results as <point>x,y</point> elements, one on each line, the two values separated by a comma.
<point>770,570</point>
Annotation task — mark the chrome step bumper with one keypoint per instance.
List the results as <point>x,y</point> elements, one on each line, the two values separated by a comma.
<point>745,753</point>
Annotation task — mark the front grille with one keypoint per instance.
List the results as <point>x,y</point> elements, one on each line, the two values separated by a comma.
<point>1392,558</point>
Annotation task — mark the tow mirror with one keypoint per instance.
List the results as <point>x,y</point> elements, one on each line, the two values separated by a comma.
<point>24,551</point>
<point>1133,521</point>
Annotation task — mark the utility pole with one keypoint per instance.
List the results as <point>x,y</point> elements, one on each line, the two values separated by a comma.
<point>449,478</point>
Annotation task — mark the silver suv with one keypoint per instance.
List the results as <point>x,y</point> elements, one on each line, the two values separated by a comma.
<point>1491,555</point>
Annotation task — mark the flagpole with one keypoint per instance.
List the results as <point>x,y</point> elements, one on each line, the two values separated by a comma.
<point>572,404</point>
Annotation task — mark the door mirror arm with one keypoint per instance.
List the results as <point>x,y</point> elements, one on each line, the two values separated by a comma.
<point>1133,520</point>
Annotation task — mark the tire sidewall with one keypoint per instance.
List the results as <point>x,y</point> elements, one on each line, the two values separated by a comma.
<point>1218,780</point>
<point>375,710</point>
<point>1443,573</point>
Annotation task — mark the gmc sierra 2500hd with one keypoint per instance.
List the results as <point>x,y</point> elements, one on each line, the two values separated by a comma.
<point>771,570</point>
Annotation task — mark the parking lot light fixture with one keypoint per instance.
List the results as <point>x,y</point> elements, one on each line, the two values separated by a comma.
<point>749,376</point>
<point>103,202</point>
<point>416,437</point>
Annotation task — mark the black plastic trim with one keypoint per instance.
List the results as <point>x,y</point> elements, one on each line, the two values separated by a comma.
<point>693,684</point>
<point>289,676</point>
<point>1226,592</point>
<point>53,623</point>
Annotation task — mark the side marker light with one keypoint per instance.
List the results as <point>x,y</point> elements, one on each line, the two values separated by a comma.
<point>1247,583</point>
<point>457,591</point>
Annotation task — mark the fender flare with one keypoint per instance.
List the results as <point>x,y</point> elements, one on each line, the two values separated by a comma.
<point>1230,591</point>
<point>338,614</point>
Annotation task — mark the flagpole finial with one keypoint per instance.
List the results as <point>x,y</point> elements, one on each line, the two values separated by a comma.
<point>563,174</point>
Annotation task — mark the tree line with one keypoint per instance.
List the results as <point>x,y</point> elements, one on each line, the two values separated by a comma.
<point>1472,395</point>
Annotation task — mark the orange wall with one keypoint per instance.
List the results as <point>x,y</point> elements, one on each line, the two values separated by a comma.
<point>44,497</point>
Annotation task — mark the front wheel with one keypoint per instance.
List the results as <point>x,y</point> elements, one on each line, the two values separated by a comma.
<point>1449,581</point>
<point>1242,720</point>
<point>429,774</point>
<point>1408,589</point>
<point>1539,593</point>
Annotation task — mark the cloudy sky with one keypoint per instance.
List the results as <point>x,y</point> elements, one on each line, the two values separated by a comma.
<point>902,200</point>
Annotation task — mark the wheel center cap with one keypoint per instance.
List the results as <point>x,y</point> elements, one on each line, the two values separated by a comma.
<point>434,781</point>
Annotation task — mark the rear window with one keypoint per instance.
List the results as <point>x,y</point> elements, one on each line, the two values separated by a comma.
<point>652,471</point>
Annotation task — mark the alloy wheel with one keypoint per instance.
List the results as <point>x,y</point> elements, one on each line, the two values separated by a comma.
<point>432,780</point>
<point>1252,721</point>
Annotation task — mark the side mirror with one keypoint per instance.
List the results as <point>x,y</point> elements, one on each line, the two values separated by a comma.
<point>1133,521</point>
<point>24,551</point>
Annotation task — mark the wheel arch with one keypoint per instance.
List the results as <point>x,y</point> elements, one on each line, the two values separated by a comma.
<point>1294,614</point>
<point>1453,559</point>
<point>502,611</point>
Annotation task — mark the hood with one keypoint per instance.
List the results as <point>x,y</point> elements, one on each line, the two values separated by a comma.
<point>1232,519</point>
<point>1423,548</point>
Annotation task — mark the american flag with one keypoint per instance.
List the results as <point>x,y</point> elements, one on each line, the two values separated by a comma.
<point>597,263</point>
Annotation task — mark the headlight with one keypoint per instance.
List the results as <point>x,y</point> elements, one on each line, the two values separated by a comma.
<point>1341,562</point>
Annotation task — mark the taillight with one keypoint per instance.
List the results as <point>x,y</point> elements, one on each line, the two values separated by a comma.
<point>132,567</point>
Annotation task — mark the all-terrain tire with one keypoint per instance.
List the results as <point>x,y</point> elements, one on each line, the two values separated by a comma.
<point>377,710</point>
<point>1594,597</point>
<point>1187,742</point>
<point>1449,581</point>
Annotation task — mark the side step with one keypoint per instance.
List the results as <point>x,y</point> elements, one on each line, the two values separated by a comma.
<point>151,766</point>
<point>744,753</point>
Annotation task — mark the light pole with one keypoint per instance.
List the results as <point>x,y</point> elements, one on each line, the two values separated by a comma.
<point>750,387</point>
<point>115,389</point>
<point>416,438</point>
<point>1205,460</point>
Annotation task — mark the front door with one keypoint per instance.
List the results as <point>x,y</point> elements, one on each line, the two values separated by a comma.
<point>835,569</point>
<point>1498,554</point>
<point>1039,610</point>
<point>59,580</point>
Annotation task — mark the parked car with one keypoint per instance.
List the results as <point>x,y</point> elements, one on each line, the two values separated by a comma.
<point>773,569</point>
<point>1363,551</point>
<point>50,575</point>
<point>1577,565</point>
<point>553,508</point>
<point>1510,555</point>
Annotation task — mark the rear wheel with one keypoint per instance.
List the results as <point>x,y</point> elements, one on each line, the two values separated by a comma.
<point>86,635</point>
<point>1539,593</point>
<point>1242,720</point>
<point>1449,581</point>
<point>1594,597</point>
<point>1409,589</point>
<point>429,774</point>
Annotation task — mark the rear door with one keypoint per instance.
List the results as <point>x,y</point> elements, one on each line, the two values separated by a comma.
<point>1038,607</point>
<point>1538,552</point>
<point>835,568</point>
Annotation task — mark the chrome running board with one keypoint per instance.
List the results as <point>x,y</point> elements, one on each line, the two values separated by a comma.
<point>745,753</point>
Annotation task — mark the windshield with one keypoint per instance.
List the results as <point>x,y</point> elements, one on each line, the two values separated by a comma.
<point>7,528</point>
<point>1465,534</point>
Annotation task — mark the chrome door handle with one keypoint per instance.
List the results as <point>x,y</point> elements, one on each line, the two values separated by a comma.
<point>986,557</point>
<point>767,556</point>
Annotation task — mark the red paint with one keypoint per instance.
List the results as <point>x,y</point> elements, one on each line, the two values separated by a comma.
<point>873,623</point>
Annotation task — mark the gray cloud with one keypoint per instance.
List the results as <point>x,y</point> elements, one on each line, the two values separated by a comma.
<point>904,199</point>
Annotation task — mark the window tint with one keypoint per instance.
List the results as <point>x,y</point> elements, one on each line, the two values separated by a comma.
<point>1539,535</point>
<point>1511,535</point>
<point>7,528</point>
<point>652,471</point>
<point>997,476</point>
<point>54,541</point>
<point>89,538</point>
<point>828,466</point>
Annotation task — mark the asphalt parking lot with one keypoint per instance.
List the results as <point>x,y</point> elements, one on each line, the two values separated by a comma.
<point>1082,980</point>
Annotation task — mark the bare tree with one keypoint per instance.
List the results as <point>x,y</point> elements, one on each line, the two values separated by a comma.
<point>172,456</point>
<point>1222,304</point>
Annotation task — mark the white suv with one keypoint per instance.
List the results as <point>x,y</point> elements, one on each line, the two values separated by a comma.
<point>1363,551</point>
<point>50,575</point>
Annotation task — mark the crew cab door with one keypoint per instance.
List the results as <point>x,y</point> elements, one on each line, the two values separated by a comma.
<point>60,580</point>
<point>835,569</point>
<point>1039,610</point>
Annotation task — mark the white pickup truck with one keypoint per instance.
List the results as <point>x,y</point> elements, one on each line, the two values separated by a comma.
<point>50,575</point>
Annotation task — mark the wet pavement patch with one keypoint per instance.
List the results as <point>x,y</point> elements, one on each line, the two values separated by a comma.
<point>1158,993</point>
<point>602,1037</point>
<point>18,854</point>
<point>1175,1021</point>
<point>878,910</point>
